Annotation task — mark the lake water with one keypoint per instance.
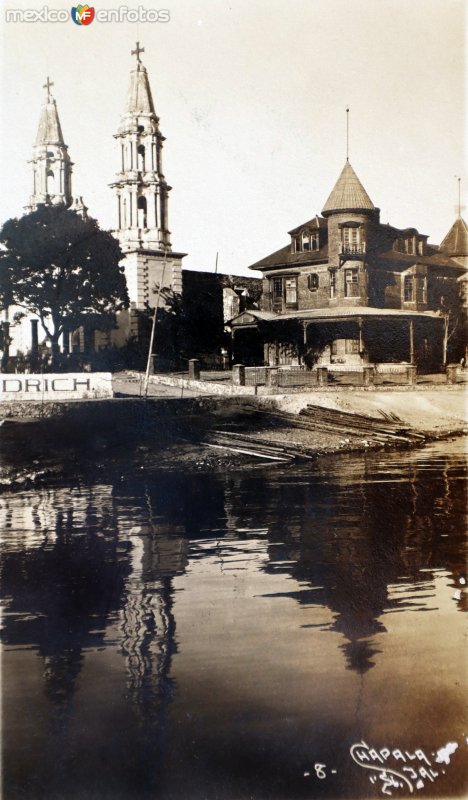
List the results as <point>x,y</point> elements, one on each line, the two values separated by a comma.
<point>259,634</point>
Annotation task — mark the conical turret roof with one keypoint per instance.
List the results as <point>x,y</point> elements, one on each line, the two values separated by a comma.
<point>348,194</point>
<point>139,100</point>
<point>456,241</point>
<point>49,130</point>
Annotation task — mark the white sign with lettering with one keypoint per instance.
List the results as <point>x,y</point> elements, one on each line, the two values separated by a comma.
<point>64,386</point>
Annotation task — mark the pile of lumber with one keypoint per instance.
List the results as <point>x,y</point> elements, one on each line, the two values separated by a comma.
<point>388,429</point>
<point>259,447</point>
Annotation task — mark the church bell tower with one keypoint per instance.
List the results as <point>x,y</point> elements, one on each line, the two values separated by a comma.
<point>142,197</point>
<point>51,163</point>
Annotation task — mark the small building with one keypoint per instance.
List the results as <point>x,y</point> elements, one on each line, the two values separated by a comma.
<point>348,290</point>
<point>209,301</point>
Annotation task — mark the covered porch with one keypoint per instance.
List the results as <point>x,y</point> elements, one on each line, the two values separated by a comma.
<point>340,338</point>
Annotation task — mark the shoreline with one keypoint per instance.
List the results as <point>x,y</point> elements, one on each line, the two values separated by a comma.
<point>98,436</point>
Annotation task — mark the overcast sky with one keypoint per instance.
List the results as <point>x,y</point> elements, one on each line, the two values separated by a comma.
<point>252,96</point>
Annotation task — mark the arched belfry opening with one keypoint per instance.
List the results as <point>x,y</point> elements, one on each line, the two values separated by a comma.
<point>142,212</point>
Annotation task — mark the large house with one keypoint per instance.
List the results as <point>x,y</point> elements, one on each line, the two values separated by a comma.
<point>349,290</point>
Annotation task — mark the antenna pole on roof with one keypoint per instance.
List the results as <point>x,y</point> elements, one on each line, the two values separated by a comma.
<point>216,264</point>
<point>459,195</point>
<point>347,134</point>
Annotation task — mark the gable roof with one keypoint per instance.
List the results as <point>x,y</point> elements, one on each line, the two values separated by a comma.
<point>285,258</point>
<point>319,223</point>
<point>455,242</point>
<point>348,194</point>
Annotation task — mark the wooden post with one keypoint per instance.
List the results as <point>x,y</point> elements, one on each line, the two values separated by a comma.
<point>322,376</point>
<point>411,333</point>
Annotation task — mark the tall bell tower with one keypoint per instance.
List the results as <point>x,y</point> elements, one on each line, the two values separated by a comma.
<point>51,163</point>
<point>142,197</point>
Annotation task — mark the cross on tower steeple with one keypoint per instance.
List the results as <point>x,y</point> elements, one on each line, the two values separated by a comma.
<point>47,86</point>
<point>137,52</point>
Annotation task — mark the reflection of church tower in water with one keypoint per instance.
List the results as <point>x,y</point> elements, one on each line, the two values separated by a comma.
<point>142,194</point>
<point>146,621</point>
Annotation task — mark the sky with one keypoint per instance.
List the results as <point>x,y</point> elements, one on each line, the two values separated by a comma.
<point>252,98</point>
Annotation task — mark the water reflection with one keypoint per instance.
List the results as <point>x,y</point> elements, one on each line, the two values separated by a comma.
<point>107,583</point>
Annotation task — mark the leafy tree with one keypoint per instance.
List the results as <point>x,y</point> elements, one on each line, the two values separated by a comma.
<point>63,268</point>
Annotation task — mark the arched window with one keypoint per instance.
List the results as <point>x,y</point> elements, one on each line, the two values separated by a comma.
<point>141,158</point>
<point>50,182</point>
<point>142,212</point>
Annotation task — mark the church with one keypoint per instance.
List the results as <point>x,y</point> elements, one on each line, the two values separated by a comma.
<point>142,223</point>
<point>348,291</point>
<point>345,290</point>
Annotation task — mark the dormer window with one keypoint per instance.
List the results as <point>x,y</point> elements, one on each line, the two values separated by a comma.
<point>305,241</point>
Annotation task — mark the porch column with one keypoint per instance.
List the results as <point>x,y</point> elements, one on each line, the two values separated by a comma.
<point>411,341</point>
<point>304,328</point>
<point>360,334</point>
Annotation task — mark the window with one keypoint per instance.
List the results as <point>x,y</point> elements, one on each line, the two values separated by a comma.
<point>141,157</point>
<point>421,247</point>
<point>351,239</point>
<point>305,241</point>
<point>410,246</point>
<point>351,283</point>
<point>277,288</point>
<point>409,289</point>
<point>352,346</point>
<point>334,347</point>
<point>421,289</point>
<point>313,281</point>
<point>50,182</point>
<point>141,212</point>
<point>291,291</point>
<point>332,283</point>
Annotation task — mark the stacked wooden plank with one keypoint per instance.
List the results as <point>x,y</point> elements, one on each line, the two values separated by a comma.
<point>258,446</point>
<point>386,430</point>
<point>390,428</point>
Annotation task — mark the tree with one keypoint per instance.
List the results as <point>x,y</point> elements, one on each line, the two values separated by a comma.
<point>445,298</point>
<point>63,268</point>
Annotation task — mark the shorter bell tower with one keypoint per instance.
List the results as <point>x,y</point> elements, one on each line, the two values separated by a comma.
<point>142,197</point>
<point>51,163</point>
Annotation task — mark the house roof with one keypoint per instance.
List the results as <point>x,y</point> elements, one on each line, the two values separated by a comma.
<point>348,194</point>
<point>456,241</point>
<point>285,258</point>
<point>335,313</point>
<point>401,261</point>
<point>316,222</point>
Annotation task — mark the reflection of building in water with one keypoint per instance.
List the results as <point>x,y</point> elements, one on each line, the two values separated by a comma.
<point>387,525</point>
<point>62,576</point>
<point>33,519</point>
